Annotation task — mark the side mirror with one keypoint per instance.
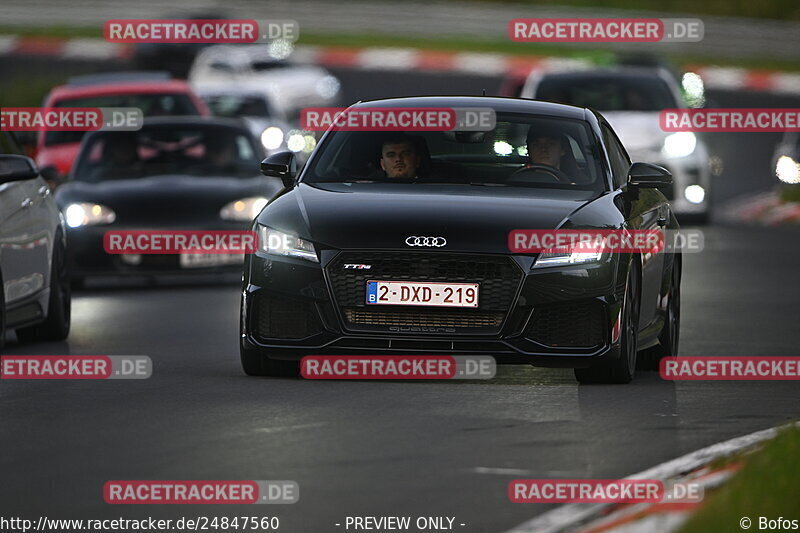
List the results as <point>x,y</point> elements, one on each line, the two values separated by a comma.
<point>282,165</point>
<point>649,176</point>
<point>51,175</point>
<point>17,168</point>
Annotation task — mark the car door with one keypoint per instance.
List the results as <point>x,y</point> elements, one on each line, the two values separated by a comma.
<point>649,212</point>
<point>26,233</point>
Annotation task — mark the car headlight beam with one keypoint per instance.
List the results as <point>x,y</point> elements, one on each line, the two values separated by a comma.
<point>272,138</point>
<point>548,259</point>
<point>680,144</point>
<point>244,209</point>
<point>787,169</point>
<point>694,194</point>
<point>276,242</point>
<point>88,214</point>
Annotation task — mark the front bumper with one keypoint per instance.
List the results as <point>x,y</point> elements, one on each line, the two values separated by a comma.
<point>87,257</point>
<point>560,316</point>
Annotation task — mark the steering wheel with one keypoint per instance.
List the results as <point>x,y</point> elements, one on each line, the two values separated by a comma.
<point>558,174</point>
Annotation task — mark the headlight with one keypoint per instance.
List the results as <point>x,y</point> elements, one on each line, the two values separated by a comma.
<point>295,141</point>
<point>694,194</point>
<point>680,144</point>
<point>243,210</point>
<point>277,242</point>
<point>787,169</point>
<point>88,214</point>
<point>328,87</point>
<point>548,259</point>
<point>272,138</point>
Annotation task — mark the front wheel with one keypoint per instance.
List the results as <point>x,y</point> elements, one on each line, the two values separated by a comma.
<point>669,337</point>
<point>59,309</point>
<point>621,368</point>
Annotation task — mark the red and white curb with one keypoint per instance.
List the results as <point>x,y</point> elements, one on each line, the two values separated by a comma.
<point>765,209</point>
<point>662,517</point>
<point>404,59</point>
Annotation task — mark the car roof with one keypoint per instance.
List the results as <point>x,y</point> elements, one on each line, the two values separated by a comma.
<point>111,88</point>
<point>193,120</point>
<point>499,104</point>
<point>624,72</point>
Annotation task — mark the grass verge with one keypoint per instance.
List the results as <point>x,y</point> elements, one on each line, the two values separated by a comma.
<point>768,486</point>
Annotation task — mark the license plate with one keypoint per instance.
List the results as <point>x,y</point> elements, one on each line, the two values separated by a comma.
<point>209,260</point>
<point>424,294</point>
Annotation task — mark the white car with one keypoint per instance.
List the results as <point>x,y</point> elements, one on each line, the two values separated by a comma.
<point>251,104</point>
<point>632,98</point>
<point>289,87</point>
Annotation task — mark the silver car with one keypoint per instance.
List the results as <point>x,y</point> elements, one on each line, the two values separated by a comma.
<point>631,99</point>
<point>34,278</point>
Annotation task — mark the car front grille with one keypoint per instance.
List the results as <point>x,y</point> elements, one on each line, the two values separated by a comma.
<point>573,324</point>
<point>498,278</point>
<point>281,318</point>
<point>426,319</point>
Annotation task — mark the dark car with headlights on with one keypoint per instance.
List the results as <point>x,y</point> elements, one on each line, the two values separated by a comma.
<point>343,230</point>
<point>175,173</point>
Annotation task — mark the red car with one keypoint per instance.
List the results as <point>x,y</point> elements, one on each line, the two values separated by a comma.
<point>154,93</point>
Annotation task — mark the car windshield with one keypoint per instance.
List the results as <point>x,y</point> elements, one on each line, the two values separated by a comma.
<point>522,151</point>
<point>156,104</point>
<point>234,105</point>
<point>608,92</point>
<point>168,149</point>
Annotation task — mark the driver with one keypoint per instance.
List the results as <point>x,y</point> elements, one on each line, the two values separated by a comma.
<point>120,156</point>
<point>545,147</point>
<point>221,152</point>
<point>548,146</point>
<point>400,158</point>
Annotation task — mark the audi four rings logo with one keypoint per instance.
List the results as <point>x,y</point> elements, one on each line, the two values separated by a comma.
<point>436,242</point>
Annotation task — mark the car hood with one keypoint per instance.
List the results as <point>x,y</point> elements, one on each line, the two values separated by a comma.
<point>639,131</point>
<point>471,218</point>
<point>171,200</point>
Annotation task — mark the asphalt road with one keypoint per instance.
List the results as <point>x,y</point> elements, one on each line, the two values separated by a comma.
<point>397,449</point>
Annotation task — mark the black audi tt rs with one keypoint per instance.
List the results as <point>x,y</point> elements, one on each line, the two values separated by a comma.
<point>375,219</point>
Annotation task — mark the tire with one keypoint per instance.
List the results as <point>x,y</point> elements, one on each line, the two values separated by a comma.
<point>669,338</point>
<point>622,368</point>
<point>2,315</point>
<point>59,309</point>
<point>255,363</point>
